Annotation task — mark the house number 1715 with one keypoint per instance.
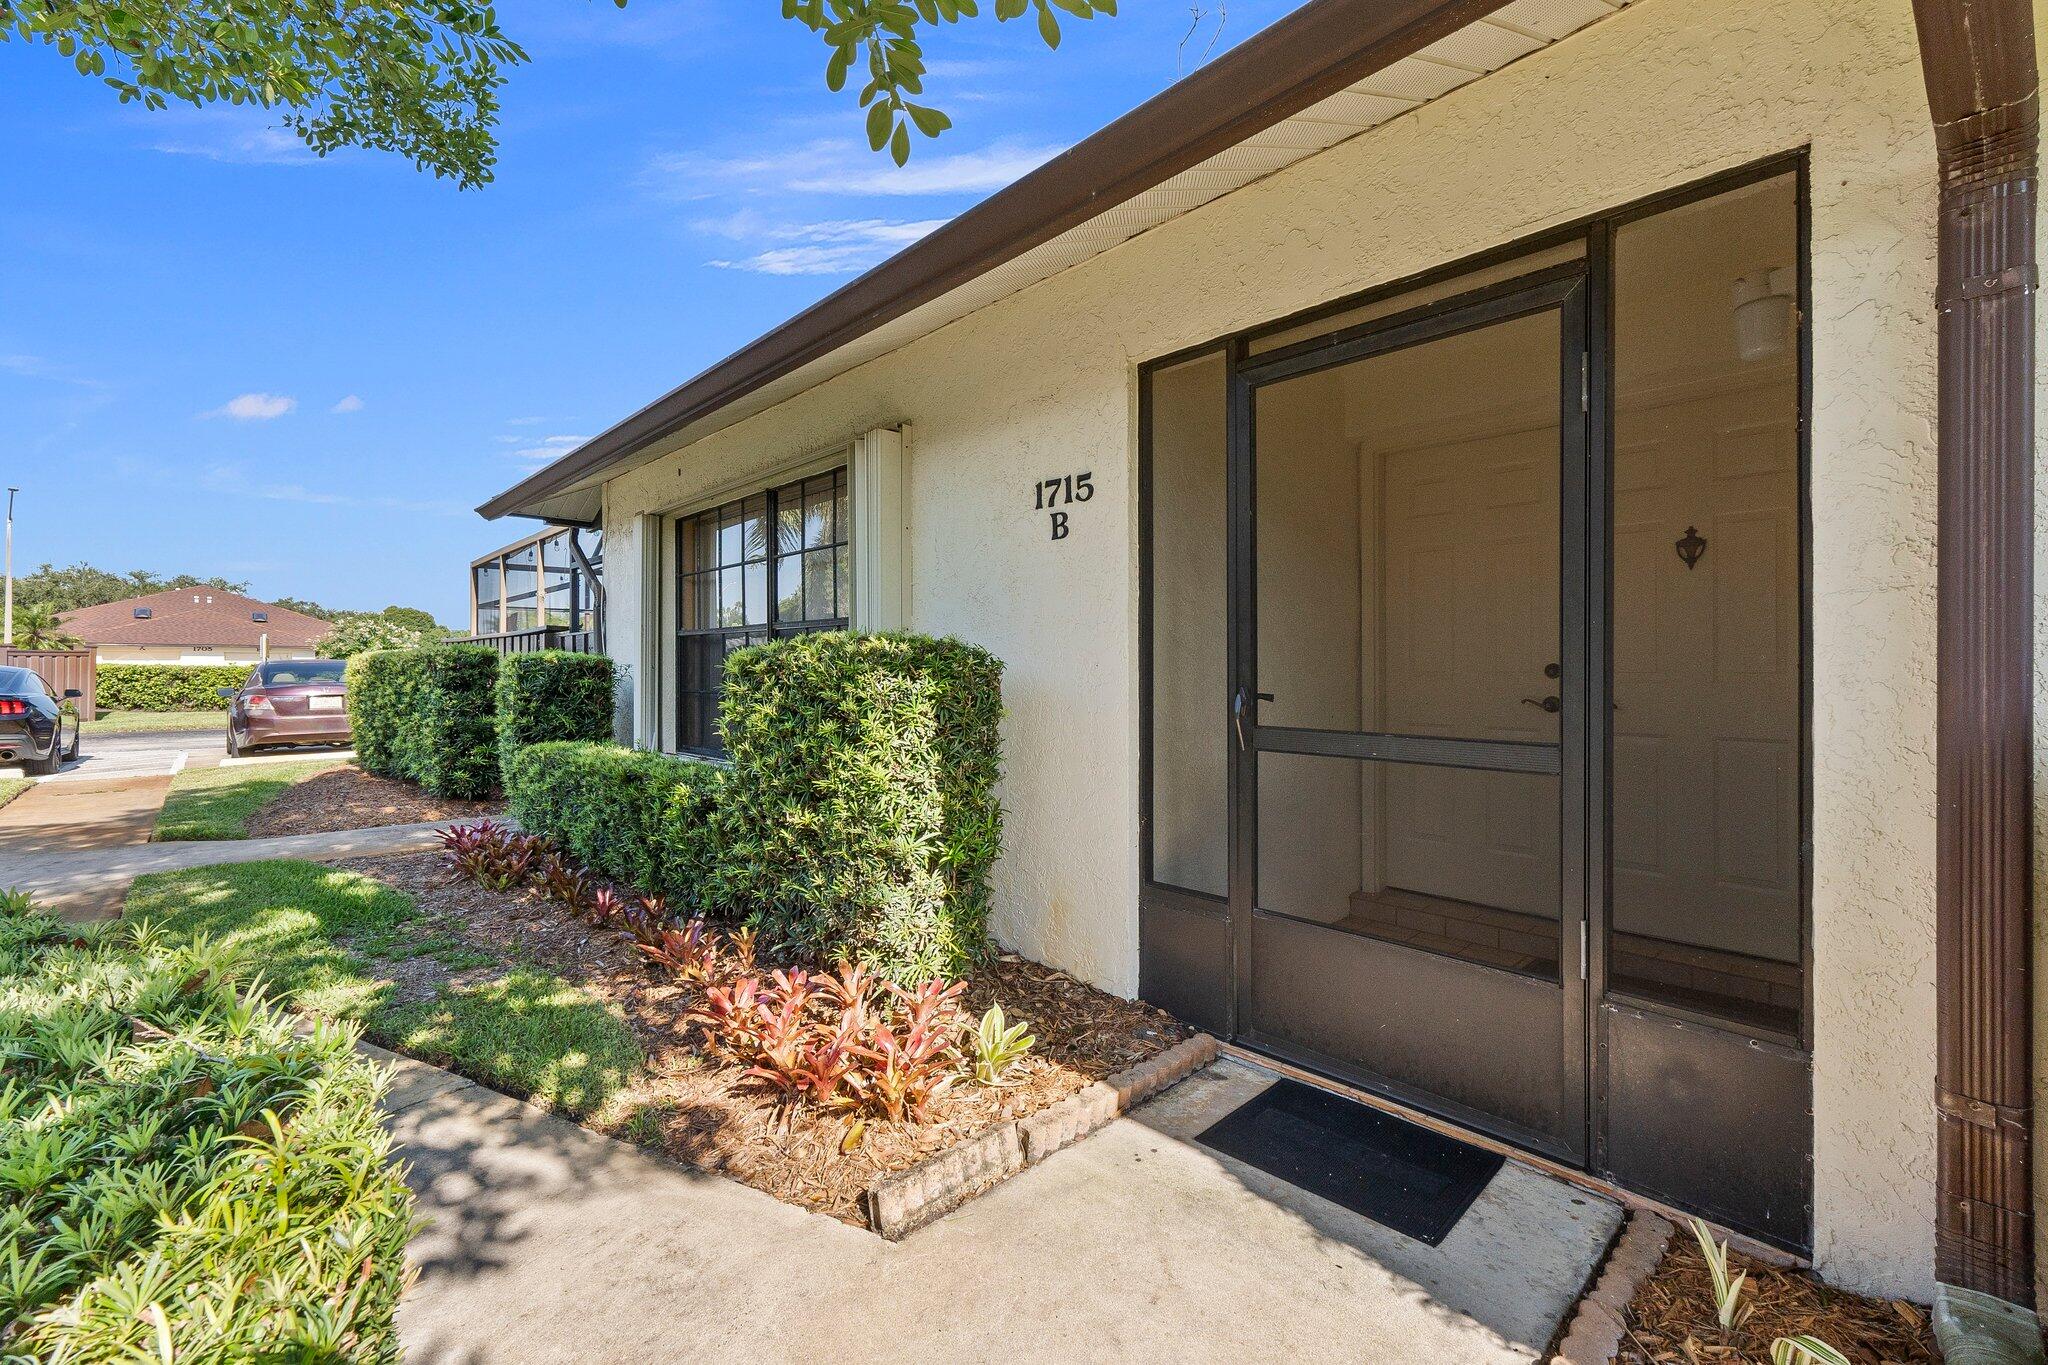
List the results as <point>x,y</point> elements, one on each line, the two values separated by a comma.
<point>1066,488</point>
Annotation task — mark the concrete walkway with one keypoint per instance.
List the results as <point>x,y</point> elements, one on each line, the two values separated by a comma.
<point>545,1242</point>
<point>91,883</point>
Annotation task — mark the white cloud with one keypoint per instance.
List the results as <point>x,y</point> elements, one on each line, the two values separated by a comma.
<point>348,404</point>
<point>842,166</point>
<point>35,367</point>
<point>232,139</point>
<point>254,407</point>
<point>524,421</point>
<point>834,247</point>
<point>238,482</point>
<point>548,448</point>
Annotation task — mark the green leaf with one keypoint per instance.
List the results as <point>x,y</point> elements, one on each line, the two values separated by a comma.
<point>929,121</point>
<point>878,124</point>
<point>1048,27</point>
<point>835,69</point>
<point>899,143</point>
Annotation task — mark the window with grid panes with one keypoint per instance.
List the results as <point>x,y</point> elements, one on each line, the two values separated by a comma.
<point>775,563</point>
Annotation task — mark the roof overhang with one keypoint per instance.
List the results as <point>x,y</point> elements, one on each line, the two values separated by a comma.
<point>1326,72</point>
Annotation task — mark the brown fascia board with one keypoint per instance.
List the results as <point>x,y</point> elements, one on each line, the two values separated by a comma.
<point>1320,49</point>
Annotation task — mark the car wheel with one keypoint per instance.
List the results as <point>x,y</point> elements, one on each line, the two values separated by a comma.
<point>77,747</point>
<point>43,767</point>
<point>234,745</point>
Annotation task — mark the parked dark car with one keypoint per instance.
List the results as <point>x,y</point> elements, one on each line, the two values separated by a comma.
<point>33,720</point>
<point>288,701</point>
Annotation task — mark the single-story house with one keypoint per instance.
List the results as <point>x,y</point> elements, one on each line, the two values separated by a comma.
<point>1510,527</point>
<point>194,626</point>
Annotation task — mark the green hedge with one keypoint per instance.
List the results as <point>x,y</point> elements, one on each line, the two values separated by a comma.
<point>636,817</point>
<point>428,716</point>
<point>167,687</point>
<point>860,819</point>
<point>552,694</point>
<point>182,1169</point>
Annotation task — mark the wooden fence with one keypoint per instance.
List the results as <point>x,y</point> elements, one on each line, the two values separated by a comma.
<point>61,668</point>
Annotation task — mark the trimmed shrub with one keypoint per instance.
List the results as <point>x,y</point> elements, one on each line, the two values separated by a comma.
<point>167,687</point>
<point>428,716</point>
<point>860,817</point>
<point>637,817</point>
<point>164,1125</point>
<point>552,694</point>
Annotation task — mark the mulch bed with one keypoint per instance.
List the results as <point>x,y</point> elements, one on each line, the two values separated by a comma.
<point>349,798</point>
<point>693,1107</point>
<point>1671,1318</point>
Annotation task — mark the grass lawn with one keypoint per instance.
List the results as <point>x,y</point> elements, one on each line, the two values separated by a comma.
<point>335,943</point>
<point>11,787</point>
<point>216,803</point>
<point>145,722</point>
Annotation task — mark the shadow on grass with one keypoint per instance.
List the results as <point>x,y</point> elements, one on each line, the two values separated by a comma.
<point>216,803</point>
<point>325,939</point>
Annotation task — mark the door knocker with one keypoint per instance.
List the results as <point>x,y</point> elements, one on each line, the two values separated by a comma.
<point>1691,546</point>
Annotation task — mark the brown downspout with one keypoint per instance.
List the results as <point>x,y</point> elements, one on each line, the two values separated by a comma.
<point>1978,57</point>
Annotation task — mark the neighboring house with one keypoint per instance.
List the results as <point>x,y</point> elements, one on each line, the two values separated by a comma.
<point>1457,501</point>
<point>553,578</point>
<point>194,626</point>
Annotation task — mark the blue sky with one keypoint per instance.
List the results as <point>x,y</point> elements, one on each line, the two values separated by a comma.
<point>221,355</point>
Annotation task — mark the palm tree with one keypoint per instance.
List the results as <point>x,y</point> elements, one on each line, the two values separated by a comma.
<point>36,627</point>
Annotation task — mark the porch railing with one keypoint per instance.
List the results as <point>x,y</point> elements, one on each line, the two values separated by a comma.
<point>539,638</point>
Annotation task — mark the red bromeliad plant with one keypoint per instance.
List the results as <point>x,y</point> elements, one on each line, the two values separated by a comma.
<point>605,908</point>
<point>492,855</point>
<point>564,882</point>
<point>731,1015</point>
<point>689,953</point>
<point>906,1071</point>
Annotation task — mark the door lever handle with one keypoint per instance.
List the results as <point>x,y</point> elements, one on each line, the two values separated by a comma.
<point>1550,704</point>
<point>1237,704</point>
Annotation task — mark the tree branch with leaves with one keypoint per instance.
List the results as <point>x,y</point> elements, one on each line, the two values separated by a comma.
<point>421,77</point>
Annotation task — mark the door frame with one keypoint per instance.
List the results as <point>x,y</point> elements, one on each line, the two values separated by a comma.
<point>1559,290</point>
<point>1188,943</point>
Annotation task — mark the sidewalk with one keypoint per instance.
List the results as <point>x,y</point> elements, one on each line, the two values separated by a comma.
<point>545,1242</point>
<point>91,883</point>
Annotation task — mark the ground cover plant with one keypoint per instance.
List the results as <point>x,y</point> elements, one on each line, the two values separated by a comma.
<point>218,803</point>
<point>1706,1302</point>
<point>339,945</point>
<point>185,1176</point>
<point>11,787</point>
<point>805,1081</point>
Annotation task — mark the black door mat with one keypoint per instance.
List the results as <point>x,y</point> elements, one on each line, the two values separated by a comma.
<point>1397,1173</point>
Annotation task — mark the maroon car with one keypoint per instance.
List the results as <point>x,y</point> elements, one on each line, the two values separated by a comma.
<point>288,701</point>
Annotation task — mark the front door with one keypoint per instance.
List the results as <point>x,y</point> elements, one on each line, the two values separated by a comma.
<point>1410,674</point>
<point>1474,621</point>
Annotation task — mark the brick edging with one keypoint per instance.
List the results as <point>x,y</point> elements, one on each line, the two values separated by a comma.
<point>905,1201</point>
<point>1594,1334</point>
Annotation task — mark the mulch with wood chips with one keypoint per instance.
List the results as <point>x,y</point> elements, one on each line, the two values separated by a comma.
<point>1671,1318</point>
<point>696,1108</point>
<point>349,798</point>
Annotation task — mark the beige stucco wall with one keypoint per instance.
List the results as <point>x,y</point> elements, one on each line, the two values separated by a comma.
<point>1043,384</point>
<point>180,654</point>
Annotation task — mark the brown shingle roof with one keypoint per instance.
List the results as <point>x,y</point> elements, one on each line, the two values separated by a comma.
<point>192,616</point>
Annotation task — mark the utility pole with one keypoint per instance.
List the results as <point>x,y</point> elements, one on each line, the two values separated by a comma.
<point>7,624</point>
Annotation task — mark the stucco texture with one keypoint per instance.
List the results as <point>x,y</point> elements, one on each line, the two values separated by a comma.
<point>1043,384</point>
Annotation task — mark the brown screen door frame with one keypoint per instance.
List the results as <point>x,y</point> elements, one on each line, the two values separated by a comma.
<point>1563,290</point>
